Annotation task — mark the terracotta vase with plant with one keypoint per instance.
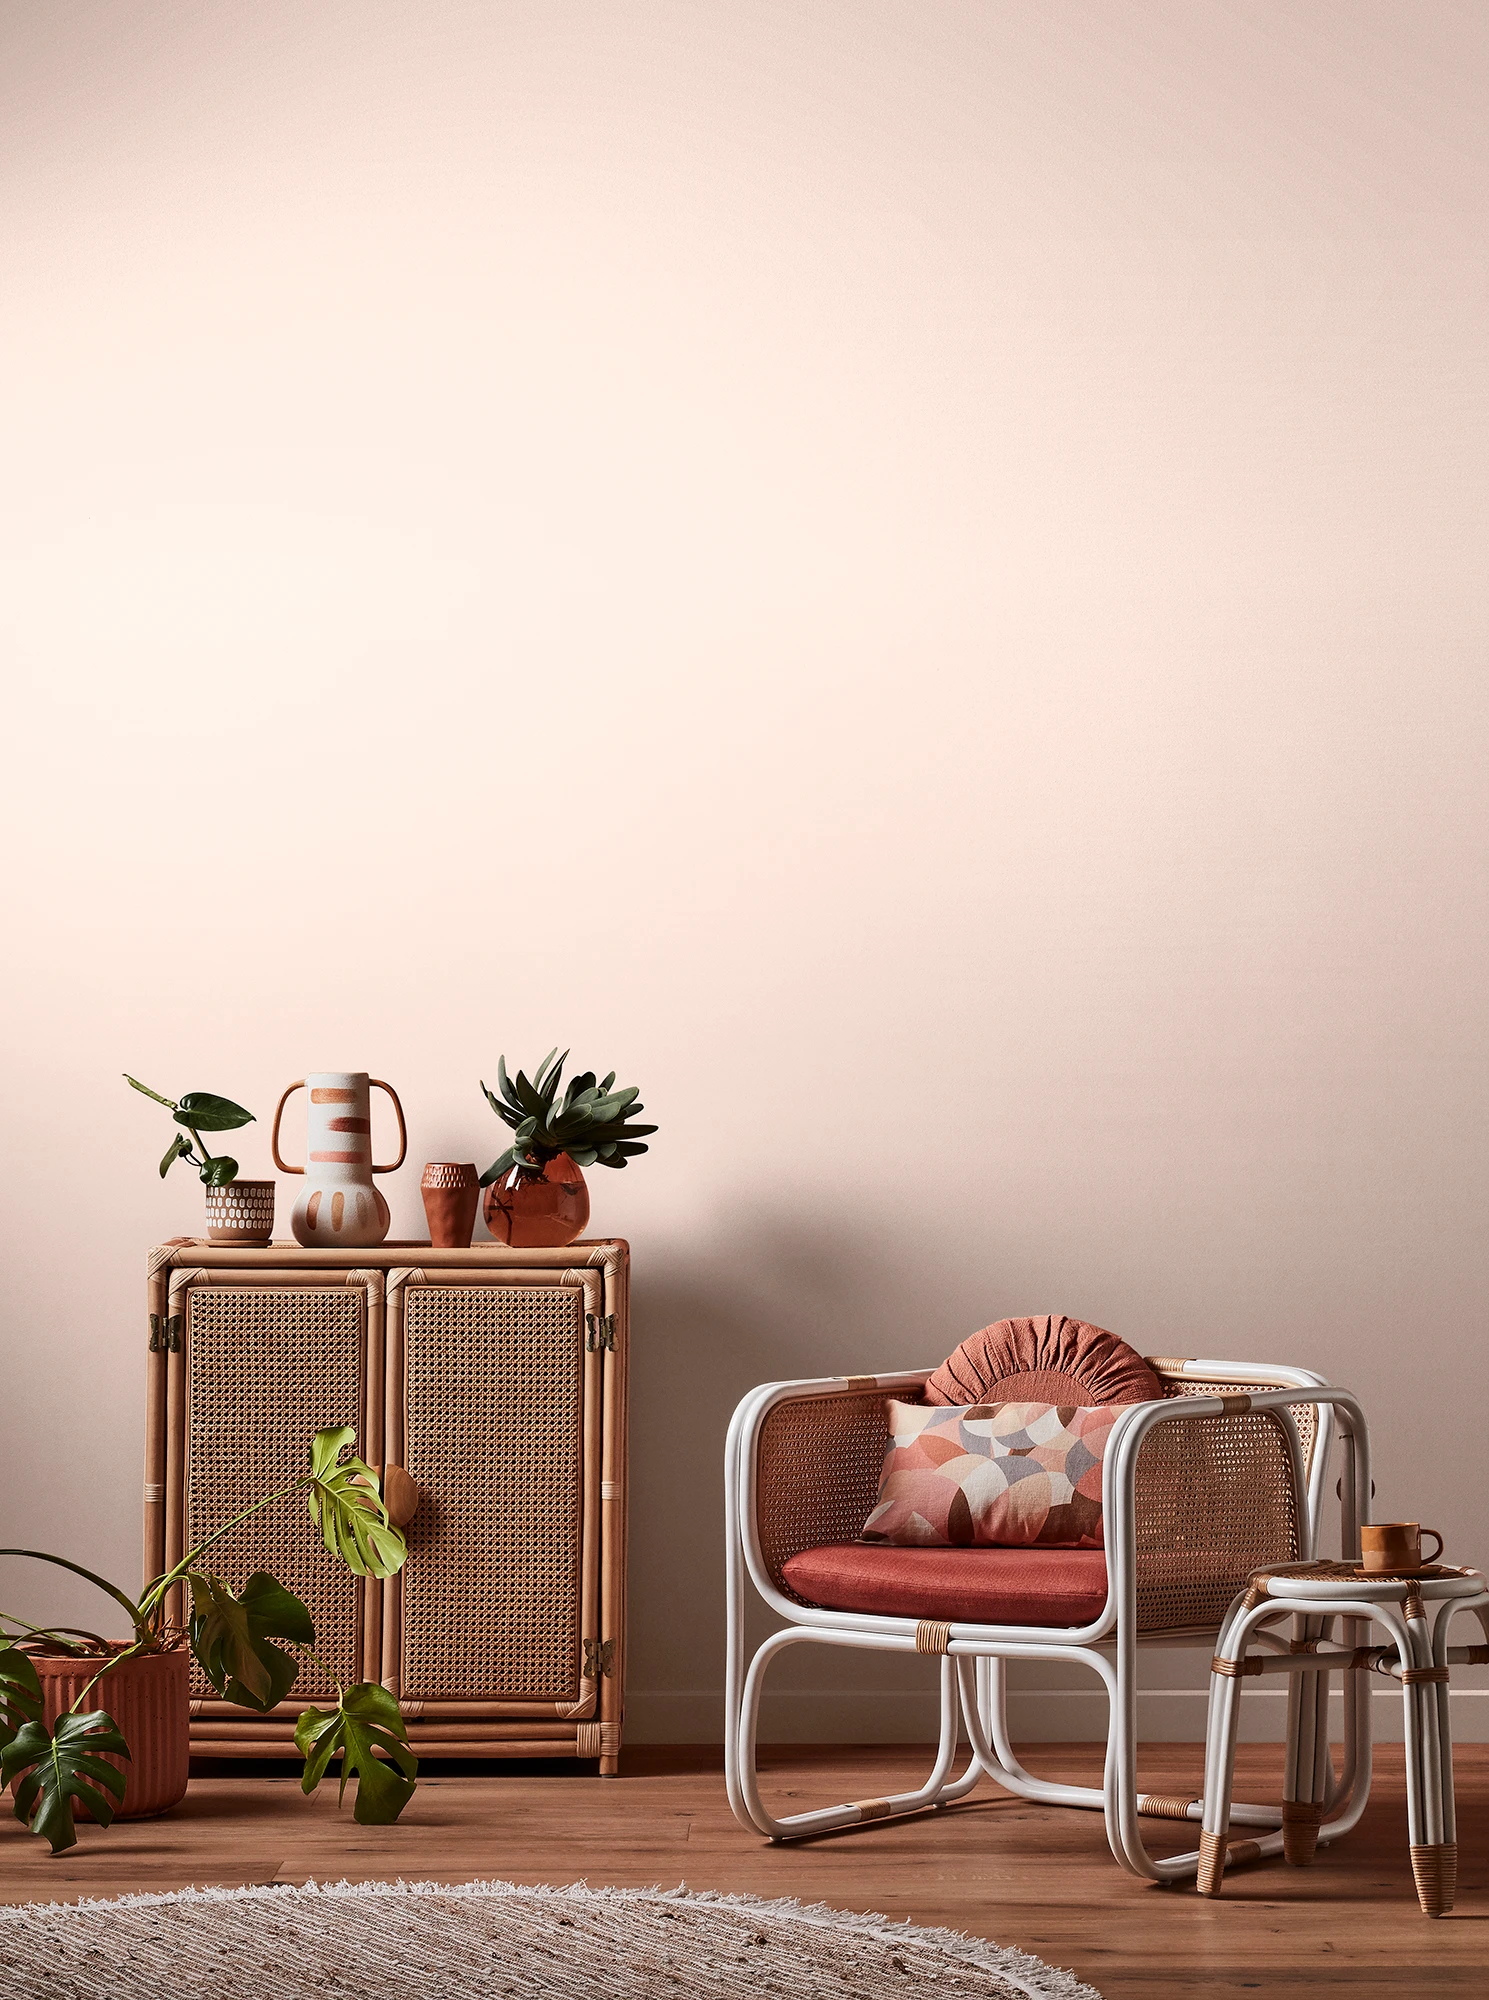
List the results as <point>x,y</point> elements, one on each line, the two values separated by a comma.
<point>237,1211</point>
<point>62,1753</point>
<point>535,1191</point>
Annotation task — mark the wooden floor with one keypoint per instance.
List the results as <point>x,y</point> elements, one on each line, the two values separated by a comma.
<point>1024,1875</point>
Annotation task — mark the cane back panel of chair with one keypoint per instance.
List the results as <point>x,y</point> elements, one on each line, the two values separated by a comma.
<point>796,1506</point>
<point>1215,1499</point>
<point>266,1367</point>
<point>494,1436</point>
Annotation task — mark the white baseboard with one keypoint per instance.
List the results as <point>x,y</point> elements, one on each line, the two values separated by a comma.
<point>1063,1715</point>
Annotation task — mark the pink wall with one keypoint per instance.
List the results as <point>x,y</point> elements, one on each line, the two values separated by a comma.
<point>911,577</point>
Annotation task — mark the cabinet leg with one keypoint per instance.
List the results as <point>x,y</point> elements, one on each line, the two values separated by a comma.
<point>609,1767</point>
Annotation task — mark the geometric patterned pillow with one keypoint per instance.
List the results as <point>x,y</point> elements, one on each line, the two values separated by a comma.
<point>1000,1475</point>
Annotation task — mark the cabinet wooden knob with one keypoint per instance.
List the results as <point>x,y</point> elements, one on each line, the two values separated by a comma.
<point>400,1495</point>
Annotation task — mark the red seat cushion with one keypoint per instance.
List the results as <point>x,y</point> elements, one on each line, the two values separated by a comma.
<point>1046,1360</point>
<point>954,1586</point>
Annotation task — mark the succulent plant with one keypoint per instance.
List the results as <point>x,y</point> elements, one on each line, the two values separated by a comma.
<point>592,1123</point>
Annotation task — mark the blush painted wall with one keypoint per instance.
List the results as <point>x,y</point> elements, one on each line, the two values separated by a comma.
<point>910,577</point>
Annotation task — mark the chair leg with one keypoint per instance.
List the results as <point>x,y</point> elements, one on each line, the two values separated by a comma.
<point>1220,1762</point>
<point>856,1812</point>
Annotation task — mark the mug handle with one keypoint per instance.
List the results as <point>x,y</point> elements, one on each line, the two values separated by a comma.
<point>375,1084</point>
<point>283,1165</point>
<point>1437,1551</point>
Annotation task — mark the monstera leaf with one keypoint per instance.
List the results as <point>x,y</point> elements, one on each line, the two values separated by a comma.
<point>20,1693</point>
<point>64,1767</point>
<point>365,1719</point>
<point>346,1506</point>
<point>232,1637</point>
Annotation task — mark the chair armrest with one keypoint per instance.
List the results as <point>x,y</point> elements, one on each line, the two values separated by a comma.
<point>1199,1491</point>
<point>803,1464</point>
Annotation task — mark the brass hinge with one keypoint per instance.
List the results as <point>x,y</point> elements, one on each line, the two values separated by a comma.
<point>165,1334</point>
<point>599,1331</point>
<point>599,1659</point>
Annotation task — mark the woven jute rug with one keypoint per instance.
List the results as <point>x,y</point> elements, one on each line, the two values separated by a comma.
<point>398,1940</point>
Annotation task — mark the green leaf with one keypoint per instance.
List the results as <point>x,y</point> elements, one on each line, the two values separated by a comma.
<point>583,1156</point>
<point>145,1091</point>
<point>179,1145</point>
<point>366,1719</point>
<point>211,1114</point>
<point>64,1768</point>
<point>504,1084</point>
<point>231,1637</point>
<point>347,1507</point>
<point>542,1081</point>
<point>608,1081</point>
<point>20,1692</point>
<point>505,1112</point>
<point>219,1171</point>
<point>499,1167</point>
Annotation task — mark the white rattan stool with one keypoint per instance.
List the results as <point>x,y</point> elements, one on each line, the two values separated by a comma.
<point>1416,1608</point>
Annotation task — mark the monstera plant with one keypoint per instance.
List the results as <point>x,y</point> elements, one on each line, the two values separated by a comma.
<point>249,1644</point>
<point>198,1111</point>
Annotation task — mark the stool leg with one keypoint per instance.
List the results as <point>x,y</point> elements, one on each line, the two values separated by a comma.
<point>1305,1787</point>
<point>1436,1868</point>
<point>1434,1860</point>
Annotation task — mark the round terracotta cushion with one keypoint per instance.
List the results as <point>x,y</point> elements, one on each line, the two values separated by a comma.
<point>1049,1360</point>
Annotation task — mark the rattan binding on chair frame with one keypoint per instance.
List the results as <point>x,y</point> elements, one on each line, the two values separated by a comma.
<point>1435,1870</point>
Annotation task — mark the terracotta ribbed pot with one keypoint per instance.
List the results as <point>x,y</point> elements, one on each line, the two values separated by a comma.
<point>452,1194</point>
<point>538,1211</point>
<point>147,1697</point>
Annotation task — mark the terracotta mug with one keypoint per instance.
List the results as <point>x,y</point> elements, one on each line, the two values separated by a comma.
<point>452,1194</point>
<point>1388,1545</point>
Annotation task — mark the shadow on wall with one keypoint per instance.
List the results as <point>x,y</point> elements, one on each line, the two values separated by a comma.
<point>776,1297</point>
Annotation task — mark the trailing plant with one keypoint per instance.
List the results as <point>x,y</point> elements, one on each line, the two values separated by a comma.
<point>592,1123</point>
<point>249,1644</point>
<point>199,1111</point>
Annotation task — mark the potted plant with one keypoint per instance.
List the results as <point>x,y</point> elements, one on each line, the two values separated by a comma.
<point>535,1191</point>
<point>60,1756</point>
<point>237,1211</point>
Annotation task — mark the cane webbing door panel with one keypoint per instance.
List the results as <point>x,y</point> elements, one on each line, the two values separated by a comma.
<point>493,1411</point>
<point>497,1379</point>
<point>265,1365</point>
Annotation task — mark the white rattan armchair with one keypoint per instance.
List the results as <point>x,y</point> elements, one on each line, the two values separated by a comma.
<point>1223,1475</point>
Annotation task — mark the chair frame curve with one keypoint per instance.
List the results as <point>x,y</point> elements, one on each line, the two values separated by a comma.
<point>973,1691</point>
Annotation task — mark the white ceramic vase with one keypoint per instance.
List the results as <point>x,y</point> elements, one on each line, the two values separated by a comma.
<point>339,1208</point>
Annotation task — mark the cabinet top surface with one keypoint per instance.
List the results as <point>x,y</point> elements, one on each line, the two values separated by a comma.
<point>613,1251</point>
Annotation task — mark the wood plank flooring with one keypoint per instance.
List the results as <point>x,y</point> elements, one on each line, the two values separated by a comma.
<point>1024,1875</point>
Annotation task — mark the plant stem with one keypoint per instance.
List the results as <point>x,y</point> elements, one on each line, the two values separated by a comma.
<point>206,1156</point>
<point>153,1596</point>
<point>137,1613</point>
<point>108,1667</point>
<point>61,1633</point>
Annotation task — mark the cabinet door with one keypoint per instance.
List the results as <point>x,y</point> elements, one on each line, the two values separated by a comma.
<point>265,1361</point>
<point>494,1412</point>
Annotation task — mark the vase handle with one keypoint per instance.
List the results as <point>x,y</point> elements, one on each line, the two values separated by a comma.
<point>375,1083</point>
<point>284,1165</point>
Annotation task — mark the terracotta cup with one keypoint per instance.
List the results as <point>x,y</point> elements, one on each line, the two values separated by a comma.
<point>452,1194</point>
<point>1387,1545</point>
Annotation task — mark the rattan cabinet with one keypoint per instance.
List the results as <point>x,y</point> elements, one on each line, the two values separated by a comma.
<point>497,1379</point>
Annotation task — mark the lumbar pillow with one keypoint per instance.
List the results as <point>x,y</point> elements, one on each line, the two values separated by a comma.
<point>1000,1475</point>
<point>1050,1359</point>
